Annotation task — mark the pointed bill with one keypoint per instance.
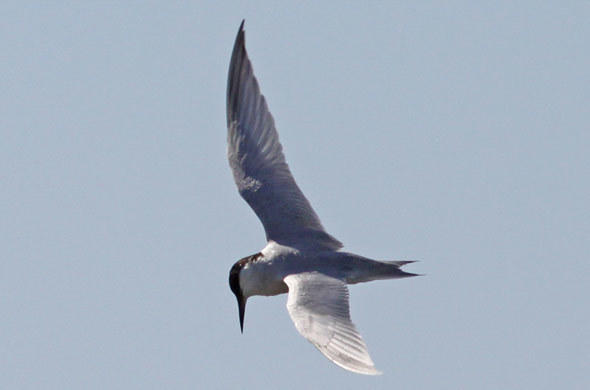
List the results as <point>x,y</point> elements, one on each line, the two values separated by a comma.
<point>242,310</point>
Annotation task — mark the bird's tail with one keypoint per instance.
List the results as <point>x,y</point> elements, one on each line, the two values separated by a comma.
<point>400,263</point>
<point>397,272</point>
<point>358,269</point>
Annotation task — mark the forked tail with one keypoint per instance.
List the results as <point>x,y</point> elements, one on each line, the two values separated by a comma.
<point>397,272</point>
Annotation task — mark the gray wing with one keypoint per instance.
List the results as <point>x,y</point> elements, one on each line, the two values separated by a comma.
<point>258,164</point>
<point>318,305</point>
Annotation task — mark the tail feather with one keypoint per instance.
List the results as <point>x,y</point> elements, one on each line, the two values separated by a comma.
<point>357,269</point>
<point>400,263</point>
<point>399,272</point>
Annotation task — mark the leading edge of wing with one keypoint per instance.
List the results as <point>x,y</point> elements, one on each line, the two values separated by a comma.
<point>258,164</point>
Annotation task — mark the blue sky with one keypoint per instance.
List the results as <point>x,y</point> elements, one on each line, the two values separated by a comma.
<point>456,135</point>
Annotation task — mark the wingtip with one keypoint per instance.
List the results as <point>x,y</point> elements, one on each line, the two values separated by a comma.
<point>371,371</point>
<point>240,37</point>
<point>367,370</point>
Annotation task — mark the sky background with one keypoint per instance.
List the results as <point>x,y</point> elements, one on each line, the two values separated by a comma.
<point>454,134</point>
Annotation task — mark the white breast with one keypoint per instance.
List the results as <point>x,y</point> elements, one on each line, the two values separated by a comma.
<point>265,276</point>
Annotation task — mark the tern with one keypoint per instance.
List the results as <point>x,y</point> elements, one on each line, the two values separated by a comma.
<point>300,257</point>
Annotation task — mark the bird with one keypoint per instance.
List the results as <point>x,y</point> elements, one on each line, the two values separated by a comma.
<point>300,258</point>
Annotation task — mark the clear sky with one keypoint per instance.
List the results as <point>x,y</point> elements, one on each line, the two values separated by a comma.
<point>457,135</point>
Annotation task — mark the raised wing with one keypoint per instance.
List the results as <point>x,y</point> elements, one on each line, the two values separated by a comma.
<point>318,305</point>
<point>258,164</point>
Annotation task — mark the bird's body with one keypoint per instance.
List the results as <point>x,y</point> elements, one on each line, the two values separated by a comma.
<point>300,257</point>
<point>264,273</point>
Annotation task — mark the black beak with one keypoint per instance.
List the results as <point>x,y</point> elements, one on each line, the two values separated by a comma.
<point>242,310</point>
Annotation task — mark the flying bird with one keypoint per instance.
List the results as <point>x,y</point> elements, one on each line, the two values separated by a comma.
<point>300,257</point>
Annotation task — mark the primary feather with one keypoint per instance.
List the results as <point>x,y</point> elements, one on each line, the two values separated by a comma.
<point>258,164</point>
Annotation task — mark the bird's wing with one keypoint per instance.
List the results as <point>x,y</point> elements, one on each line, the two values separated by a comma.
<point>258,164</point>
<point>318,305</point>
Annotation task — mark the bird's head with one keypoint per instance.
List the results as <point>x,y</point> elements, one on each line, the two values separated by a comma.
<point>236,285</point>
